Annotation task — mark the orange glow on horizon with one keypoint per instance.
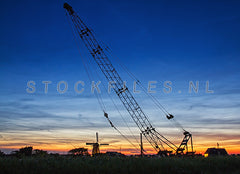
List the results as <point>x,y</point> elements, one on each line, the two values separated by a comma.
<point>127,150</point>
<point>65,140</point>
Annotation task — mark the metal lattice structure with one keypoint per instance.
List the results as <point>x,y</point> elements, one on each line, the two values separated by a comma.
<point>157,140</point>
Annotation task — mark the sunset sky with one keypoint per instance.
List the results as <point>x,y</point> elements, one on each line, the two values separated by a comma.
<point>177,41</point>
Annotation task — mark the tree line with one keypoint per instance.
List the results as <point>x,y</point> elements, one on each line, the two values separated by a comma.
<point>29,151</point>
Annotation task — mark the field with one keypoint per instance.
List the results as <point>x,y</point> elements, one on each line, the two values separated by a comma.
<point>112,165</point>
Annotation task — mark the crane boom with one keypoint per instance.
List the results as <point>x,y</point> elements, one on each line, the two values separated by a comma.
<point>157,140</point>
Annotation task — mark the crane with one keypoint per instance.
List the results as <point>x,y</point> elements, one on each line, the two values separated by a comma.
<point>157,140</point>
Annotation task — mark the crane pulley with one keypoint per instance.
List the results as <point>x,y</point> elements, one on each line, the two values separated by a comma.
<point>157,140</point>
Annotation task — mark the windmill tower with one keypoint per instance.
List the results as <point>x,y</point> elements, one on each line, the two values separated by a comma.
<point>96,146</point>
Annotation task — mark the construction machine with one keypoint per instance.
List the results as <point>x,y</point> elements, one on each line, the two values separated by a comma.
<point>160,143</point>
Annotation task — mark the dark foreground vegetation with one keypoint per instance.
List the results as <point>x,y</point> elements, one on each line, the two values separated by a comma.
<point>112,165</point>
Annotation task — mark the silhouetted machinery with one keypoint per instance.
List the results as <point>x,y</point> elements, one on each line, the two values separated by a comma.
<point>96,149</point>
<point>157,140</point>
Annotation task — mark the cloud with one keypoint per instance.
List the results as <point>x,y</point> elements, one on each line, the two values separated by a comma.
<point>223,134</point>
<point>228,92</point>
<point>17,116</point>
<point>26,99</point>
<point>214,106</point>
<point>218,121</point>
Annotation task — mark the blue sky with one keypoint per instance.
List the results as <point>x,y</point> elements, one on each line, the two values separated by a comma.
<point>177,41</point>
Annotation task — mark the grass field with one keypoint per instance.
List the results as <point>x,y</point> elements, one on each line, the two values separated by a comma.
<point>112,165</point>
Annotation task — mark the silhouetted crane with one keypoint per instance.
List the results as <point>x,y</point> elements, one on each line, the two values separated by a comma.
<point>156,139</point>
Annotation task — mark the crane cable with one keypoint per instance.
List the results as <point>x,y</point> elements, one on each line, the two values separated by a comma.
<point>86,69</point>
<point>99,98</point>
<point>145,115</point>
<point>138,82</point>
<point>112,125</point>
<point>156,102</point>
<point>115,105</point>
<point>148,119</point>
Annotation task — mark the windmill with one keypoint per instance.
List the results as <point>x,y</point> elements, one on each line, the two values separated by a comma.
<point>96,145</point>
